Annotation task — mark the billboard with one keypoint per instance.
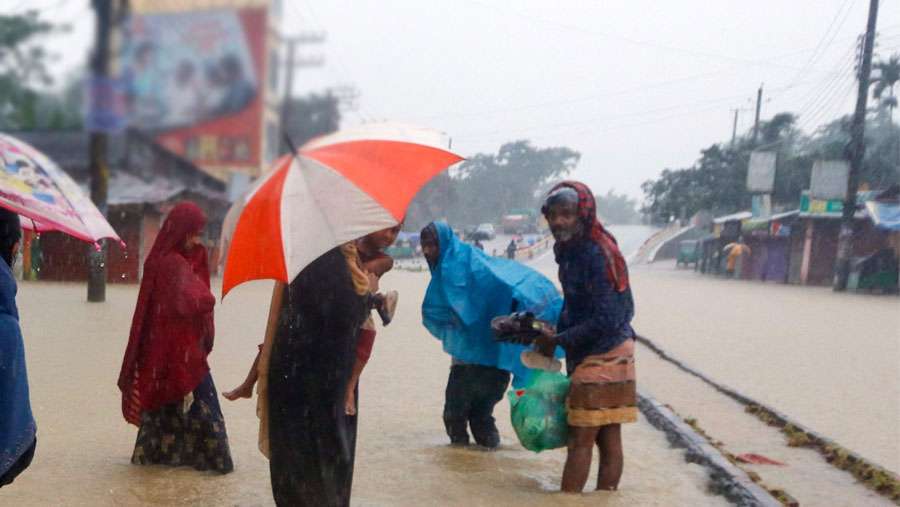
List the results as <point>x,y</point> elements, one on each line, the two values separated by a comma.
<point>761,172</point>
<point>829,179</point>
<point>193,80</point>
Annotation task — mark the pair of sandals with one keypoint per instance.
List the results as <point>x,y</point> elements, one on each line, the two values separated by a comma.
<point>385,305</point>
<point>523,328</point>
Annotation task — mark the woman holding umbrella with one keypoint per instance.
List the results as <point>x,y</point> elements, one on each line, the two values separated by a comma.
<point>297,224</point>
<point>310,361</point>
<point>167,390</point>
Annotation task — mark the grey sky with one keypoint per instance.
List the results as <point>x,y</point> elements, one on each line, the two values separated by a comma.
<point>635,86</point>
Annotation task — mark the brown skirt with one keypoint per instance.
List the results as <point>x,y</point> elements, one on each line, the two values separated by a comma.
<point>603,389</point>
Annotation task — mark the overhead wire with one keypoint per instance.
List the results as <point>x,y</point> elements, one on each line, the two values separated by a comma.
<point>304,20</point>
<point>841,70</point>
<point>373,111</point>
<point>816,55</point>
<point>557,128</point>
<point>625,39</point>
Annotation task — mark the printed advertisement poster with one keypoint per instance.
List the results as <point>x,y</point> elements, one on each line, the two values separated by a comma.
<point>194,81</point>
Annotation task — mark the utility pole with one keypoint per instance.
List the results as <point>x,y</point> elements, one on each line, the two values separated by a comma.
<point>758,106</point>
<point>734,128</point>
<point>856,150</point>
<point>291,64</point>
<point>99,167</point>
<point>347,96</point>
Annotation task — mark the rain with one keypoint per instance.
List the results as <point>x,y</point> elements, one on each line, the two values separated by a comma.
<point>292,252</point>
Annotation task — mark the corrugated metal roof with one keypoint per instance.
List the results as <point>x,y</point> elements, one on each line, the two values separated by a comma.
<point>742,215</point>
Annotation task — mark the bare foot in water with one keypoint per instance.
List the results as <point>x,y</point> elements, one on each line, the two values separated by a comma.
<point>242,391</point>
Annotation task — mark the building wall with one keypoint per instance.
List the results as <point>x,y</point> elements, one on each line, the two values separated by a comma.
<point>65,258</point>
<point>797,238</point>
<point>823,252</point>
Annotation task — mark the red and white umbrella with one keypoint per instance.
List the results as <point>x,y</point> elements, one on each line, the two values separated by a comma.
<point>337,188</point>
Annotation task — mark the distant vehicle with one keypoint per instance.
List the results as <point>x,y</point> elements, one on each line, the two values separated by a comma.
<point>514,224</point>
<point>688,252</point>
<point>521,221</point>
<point>486,229</point>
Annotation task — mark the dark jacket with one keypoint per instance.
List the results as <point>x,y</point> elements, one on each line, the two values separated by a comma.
<point>17,427</point>
<point>595,318</point>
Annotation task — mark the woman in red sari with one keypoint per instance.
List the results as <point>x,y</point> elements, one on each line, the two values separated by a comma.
<point>167,390</point>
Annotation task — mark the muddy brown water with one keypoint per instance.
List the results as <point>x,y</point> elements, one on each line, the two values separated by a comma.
<point>74,351</point>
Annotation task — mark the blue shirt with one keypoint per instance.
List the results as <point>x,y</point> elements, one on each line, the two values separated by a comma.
<point>595,318</point>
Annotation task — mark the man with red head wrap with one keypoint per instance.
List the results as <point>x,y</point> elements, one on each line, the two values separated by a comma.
<point>595,331</point>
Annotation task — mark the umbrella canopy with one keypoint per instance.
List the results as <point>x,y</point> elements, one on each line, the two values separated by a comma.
<point>741,248</point>
<point>338,188</point>
<point>33,186</point>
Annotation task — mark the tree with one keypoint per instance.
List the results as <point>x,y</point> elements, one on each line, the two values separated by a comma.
<point>617,209</point>
<point>433,202</point>
<point>23,64</point>
<point>311,116</point>
<point>888,75</point>
<point>717,181</point>
<point>487,185</point>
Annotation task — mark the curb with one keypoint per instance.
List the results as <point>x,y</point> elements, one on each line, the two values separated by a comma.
<point>773,417</point>
<point>726,479</point>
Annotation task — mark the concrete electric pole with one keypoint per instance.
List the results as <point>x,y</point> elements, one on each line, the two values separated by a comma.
<point>856,151</point>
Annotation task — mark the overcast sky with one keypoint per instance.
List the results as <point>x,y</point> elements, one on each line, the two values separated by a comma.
<point>635,86</point>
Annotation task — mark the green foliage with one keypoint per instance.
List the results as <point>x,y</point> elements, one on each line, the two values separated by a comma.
<point>488,185</point>
<point>717,181</point>
<point>310,117</point>
<point>23,64</point>
<point>618,209</point>
<point>888,73</point>
<point>433,201</point>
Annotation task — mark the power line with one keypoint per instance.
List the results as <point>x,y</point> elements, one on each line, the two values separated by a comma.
<point>828,103</point>
<point>624,91</point>
<point>712,105</point>
<point>717,102</point>
<point>834,112</point>
<point>624,39</point>
<point>364,107</point>
<point>841,68</point>
<point>816,55</point>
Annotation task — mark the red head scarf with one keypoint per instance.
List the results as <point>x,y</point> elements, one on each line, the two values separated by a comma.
<point>616,270</point>
<point>174,306</point>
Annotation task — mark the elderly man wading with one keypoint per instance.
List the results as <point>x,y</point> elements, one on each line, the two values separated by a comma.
<point>595,332</point>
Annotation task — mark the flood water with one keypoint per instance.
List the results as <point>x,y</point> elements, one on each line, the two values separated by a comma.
<point>74,351</point>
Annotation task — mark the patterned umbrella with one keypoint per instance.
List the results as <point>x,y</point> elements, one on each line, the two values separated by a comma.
<point>337,188</point>
<point>36,188</point>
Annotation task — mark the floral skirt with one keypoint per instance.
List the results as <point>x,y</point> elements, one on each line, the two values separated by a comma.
<point>196,438</point>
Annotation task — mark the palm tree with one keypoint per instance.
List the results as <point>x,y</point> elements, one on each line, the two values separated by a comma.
<point>889,74</point>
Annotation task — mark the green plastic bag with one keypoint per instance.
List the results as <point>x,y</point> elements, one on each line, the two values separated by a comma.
<point>538,412</point>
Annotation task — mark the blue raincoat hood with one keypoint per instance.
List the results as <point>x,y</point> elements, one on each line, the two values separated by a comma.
<point>17,427</point>
<point>469,288</point>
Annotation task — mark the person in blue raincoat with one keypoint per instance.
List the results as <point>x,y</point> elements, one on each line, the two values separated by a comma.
<point>469,288</point>
<point>17,426</point>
